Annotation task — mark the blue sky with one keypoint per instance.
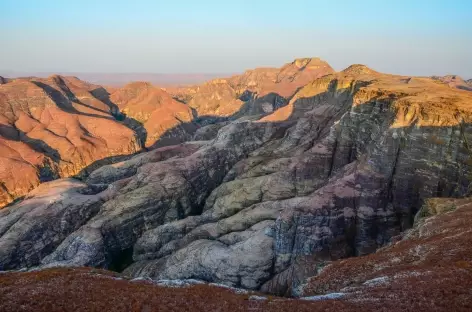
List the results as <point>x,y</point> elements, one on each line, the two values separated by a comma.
<point>406,37</point>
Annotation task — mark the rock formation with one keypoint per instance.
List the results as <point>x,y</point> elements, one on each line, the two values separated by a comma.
<point>427,268</point>
<point>455,82</point>
<point>155,115</point>
<point>60,126</point>
<point>338,171</point>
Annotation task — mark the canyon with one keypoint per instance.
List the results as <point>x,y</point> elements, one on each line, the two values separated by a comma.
<point>297,181</point>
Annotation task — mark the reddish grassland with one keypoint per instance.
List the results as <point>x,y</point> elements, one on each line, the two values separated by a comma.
<point>430,269</point>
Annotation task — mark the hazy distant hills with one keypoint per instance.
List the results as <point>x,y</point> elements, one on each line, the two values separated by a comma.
<point>120,79</point>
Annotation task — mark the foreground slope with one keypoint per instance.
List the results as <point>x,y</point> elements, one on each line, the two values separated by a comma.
<point>338,172</point>
<point>429,269</point>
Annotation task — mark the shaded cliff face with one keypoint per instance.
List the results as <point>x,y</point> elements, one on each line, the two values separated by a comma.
<point>337,172</point>
<point>52,128</point>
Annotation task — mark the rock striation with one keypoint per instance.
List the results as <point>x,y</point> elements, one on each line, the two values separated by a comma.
<point>431,262</point>
<point>340,170</point>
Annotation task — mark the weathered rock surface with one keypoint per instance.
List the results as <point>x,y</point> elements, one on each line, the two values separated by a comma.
<point>61,126</point>
<point>430,262</point>
<point>337,172</point>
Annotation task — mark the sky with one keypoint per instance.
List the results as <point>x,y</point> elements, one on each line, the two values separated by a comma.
<point>415,37</point>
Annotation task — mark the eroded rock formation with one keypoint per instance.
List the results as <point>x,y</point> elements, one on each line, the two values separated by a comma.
<point>256,92</point>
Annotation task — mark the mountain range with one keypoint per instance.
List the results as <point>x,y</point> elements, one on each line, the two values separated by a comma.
<point>350,190</point>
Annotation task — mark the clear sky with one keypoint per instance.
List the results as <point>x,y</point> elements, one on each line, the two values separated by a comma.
<point>417,37</point>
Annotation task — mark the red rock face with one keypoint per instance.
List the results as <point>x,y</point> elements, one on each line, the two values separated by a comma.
<point>154,109</point>
<point>54,127</point>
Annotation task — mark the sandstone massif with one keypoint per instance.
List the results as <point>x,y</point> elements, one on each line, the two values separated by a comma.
<point>255,92</point>
<point>299,181</point>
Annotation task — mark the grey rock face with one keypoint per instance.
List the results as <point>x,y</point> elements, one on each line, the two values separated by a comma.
<point>336,173</point>
<point>158,192</point>
<point>35,227</point>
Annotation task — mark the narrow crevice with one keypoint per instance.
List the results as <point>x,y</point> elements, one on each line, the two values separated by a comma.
<point>333,158</point>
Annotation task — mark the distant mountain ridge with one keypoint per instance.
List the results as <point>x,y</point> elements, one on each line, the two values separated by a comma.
<point>121,79</point>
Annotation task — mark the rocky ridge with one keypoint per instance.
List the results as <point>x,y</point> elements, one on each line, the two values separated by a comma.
<point>455,82</point>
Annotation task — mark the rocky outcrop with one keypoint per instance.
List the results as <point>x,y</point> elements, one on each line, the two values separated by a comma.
<point>339,171</point>
<point>424,262</point>
<point>455,82</point>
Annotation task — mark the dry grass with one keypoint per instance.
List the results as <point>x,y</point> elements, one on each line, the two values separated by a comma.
<point>84,289</point>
